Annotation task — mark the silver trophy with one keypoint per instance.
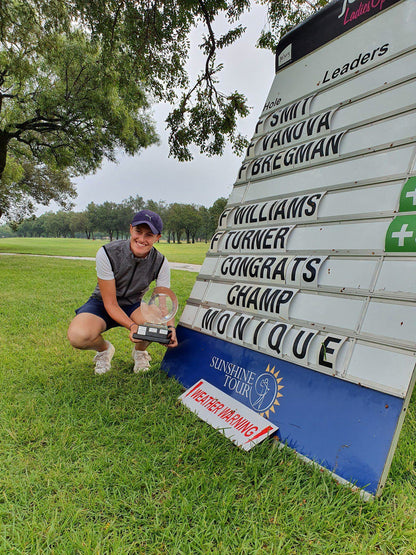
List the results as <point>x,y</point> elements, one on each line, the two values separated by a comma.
<point>158,307</point>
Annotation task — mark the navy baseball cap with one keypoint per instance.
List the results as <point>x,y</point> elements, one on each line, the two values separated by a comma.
<point>153,220</point>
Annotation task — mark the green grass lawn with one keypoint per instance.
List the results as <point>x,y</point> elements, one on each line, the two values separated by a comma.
<point>183,252</point>
<point>114,464</point>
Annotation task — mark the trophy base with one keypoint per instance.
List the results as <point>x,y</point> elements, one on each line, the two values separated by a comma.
<point>153,332</point>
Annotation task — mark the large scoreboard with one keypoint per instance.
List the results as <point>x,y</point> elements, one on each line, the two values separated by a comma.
<point>305,307</point>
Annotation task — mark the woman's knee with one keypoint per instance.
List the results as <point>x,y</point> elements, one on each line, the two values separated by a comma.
<point>77,337</point>
<point>82,336</point>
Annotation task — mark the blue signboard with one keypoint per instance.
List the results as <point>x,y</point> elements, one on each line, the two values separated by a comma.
<point>342,426</point>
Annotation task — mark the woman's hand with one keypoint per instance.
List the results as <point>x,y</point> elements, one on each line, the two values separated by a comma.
<point>173,340</point>
<point>133,329</point>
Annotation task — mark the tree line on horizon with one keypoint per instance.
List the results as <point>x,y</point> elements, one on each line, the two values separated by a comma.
<point>110,219</point>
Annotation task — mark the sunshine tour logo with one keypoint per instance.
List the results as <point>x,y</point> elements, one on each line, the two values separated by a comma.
<point>260,391</point>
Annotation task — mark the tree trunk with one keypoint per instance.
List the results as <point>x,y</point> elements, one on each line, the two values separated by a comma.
<point>4,143</point>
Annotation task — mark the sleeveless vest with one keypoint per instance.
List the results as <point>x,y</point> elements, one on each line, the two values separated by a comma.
<point>132,275</point>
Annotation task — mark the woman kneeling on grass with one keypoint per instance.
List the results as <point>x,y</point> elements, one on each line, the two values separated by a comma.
<point>125,270</point>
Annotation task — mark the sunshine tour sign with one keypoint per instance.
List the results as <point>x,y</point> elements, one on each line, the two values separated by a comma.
<point>304,309</point>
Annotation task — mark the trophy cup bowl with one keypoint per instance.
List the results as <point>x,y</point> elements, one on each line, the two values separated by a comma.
<point>158,308</point>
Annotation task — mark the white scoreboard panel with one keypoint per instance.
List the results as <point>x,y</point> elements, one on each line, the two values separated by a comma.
<point>314,258</point>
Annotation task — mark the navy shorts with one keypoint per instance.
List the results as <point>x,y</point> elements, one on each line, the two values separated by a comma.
<point>96,306</point>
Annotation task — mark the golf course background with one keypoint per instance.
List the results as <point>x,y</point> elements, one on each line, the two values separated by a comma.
<point>187,253</point>
<point>114,464</point>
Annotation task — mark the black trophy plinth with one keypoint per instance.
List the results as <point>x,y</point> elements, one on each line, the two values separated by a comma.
<point>153,332</point>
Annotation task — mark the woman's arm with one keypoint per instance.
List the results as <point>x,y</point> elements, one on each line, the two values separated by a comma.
<point>108,294</point>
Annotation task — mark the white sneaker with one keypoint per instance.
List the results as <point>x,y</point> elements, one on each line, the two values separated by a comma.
<point>141,361</point>
<point>103,360</point>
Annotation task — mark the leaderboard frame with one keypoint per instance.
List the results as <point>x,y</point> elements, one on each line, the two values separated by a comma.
<point>304,308</point>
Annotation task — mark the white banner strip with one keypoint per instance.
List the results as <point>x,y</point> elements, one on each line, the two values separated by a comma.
<point>387,165</point>
<point>352,237</point>
<point>243,426</point>
<point>333,205</point>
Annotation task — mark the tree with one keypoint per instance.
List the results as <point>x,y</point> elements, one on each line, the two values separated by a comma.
<point>68,96</point>
<point>205,116</point>
<point>123,216</point>
<point>205,223</point>
<point>80,223</point>
<point>57,224</point>
<point>215,212</point>
<point>93,218</point>
<point>107,218</point>
<point>173,222</point>
<point>191,221</point>
<point>134,203</point>
<point>77,78</point>
<point>6,231</point>
<point>31,227</point>
<point>32,185</point>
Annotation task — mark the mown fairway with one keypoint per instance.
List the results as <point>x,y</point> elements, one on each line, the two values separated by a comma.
<point>114,464</point>
<point>183,252</point>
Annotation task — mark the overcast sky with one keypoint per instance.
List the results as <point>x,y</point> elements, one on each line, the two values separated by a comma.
<point>152,174</point>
